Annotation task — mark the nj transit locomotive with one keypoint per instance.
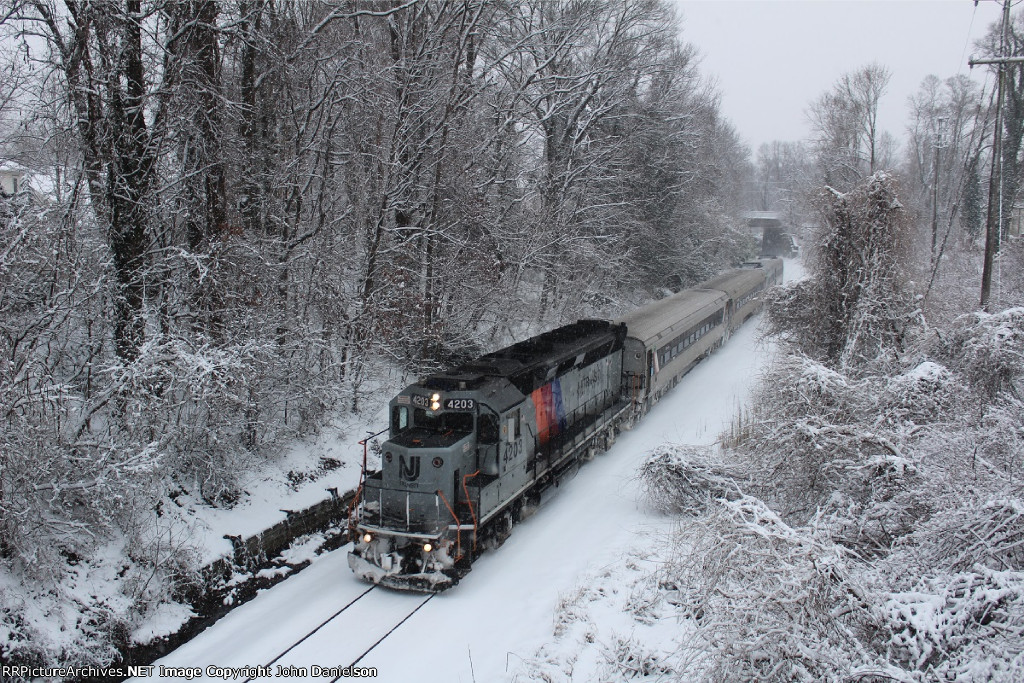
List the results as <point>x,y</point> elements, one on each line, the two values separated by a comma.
<point>470,449</point>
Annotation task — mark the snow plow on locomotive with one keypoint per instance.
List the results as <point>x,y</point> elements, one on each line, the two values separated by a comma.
<point>470,449</point>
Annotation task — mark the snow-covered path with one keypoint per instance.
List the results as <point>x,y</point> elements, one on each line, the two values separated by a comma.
<point>502,611</point>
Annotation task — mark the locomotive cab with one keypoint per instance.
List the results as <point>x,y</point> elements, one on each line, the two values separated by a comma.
<point>417,519</point>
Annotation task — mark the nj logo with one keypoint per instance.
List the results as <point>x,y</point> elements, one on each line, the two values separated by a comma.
<point>409,470</point>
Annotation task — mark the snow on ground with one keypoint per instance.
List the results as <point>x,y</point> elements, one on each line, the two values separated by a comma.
<point>298,479</point>
<point>292,482</point>
<point>565,567</point>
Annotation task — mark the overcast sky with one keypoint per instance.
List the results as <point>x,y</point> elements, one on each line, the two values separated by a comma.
<point>771,58</point>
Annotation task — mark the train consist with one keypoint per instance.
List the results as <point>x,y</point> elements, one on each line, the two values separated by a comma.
<point>470,450</point>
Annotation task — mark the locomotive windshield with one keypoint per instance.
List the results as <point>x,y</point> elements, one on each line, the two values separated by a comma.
<point>443,422</point>
<point>428,429</point>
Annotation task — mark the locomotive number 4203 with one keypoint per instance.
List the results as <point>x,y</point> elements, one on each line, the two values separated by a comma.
<point>459,404</point>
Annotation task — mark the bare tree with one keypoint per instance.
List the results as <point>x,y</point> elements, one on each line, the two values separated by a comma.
<point>100,53</point>
<point>845,119</point>
<point>784,172</point>
<point>945,135</point>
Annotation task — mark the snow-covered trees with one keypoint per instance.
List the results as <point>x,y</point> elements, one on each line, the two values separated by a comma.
<point>783,171</point>
<point>849,142</point>
<point>943,147</point>
<point>249,203</point>
<point>767,601</point>
<point>856,305</point>
<point>686,479</point>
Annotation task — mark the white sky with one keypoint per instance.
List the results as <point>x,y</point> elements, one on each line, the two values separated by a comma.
<point>771,58</point>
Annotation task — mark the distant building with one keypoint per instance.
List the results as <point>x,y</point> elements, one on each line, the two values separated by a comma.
<point>775,240</point>
<point>12,179</point>
<point>18,180</point>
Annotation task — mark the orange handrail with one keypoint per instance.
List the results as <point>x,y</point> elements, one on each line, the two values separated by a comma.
<point>458,533</point>
<point>469,502</point>
<point>352,506</point>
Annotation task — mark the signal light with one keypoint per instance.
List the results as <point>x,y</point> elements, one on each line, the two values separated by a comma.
<point>367,538</point>
<point>427,547</point>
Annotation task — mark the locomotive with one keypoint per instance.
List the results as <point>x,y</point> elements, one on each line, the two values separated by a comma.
<point>470,450</point>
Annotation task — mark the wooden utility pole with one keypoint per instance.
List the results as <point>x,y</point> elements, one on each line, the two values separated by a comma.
<point>995,183</point>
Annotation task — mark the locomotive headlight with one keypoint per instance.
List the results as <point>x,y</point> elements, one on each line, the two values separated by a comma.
<point>427,547</point>
<point>367,537</point>
<point>435,402</point>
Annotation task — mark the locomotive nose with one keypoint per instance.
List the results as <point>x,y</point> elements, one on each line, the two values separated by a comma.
<point>422,469</point>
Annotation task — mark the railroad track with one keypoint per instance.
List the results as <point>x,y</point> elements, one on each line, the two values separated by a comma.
<point>342,642</point>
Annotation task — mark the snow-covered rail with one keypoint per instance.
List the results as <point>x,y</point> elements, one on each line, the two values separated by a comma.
<point>306,637</point>
<point>341,641</point>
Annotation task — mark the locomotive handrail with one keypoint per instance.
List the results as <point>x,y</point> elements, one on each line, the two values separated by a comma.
<point>469,502</point>
<point>458,535</point>
<point>352,506</point>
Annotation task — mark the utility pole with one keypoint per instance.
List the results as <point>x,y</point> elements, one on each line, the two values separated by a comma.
<point>995,183</point>
<point>935,191</point>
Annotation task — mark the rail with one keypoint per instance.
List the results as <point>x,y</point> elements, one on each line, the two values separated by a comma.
<point>310,634</point>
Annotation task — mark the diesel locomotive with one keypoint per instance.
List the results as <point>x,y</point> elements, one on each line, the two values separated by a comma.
<point>470,450</point>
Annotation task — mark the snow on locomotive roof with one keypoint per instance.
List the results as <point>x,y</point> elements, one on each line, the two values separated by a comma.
<point>532,362</point>
<point>671,313</point>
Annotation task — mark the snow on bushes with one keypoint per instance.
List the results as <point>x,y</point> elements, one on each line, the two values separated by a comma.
<point>679,478</point>
<point>815,440</point>
<point>913,464</point>
<point>768,601</point>
<point>989,349</point>
<point>922,394</point>
<point>738,594</point>
<point>85,524</point>
<point>192,400</point>
<point>967,626</point>
<point>960,538</point>
<point>82,615</point>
